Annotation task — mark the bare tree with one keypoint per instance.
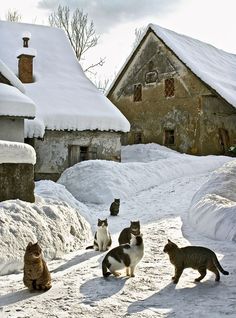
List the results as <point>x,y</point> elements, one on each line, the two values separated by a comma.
<point>13,15</point>
<point>80,31</point>
<point>138,32</point>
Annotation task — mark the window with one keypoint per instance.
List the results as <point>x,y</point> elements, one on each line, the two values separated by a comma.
<point>169,137</point>
<point>77,153</point>
<point>137,92</point>
<point>169,87</point>
<point>138,138</point>
<point>84,153</point>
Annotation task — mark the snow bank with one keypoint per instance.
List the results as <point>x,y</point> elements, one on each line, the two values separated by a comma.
<point>213,208</point>
<point>146,153</point>
<point>16,152</point>
<point>101,181</point>
<point>55,221</point>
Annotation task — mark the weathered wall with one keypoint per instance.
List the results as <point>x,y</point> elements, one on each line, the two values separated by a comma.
<point>17,181</point>
<point>11,129</point>
<point>184,112</point>
<point>53,151</point>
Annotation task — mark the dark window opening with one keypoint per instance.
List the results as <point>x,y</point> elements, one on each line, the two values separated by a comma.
<point>84,153</point>
<point>169,87</point>
<point>169,137</point>
<point>137,92</point>
<point>138,138</point>
<point>77,153</point>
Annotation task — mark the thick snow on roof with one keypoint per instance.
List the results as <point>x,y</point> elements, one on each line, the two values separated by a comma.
<point>215,67</point>
<point>64,96</point>
<point>14,103</point>
<point>16,152</point>
<point>11,77</point>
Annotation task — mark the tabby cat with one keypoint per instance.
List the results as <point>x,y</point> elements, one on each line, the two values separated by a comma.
<point>123,256</point>
<point>125,235</point>
<point>196,257</point>
<point>115,206</point>
<point>102,238</point>
<point>36,274</point>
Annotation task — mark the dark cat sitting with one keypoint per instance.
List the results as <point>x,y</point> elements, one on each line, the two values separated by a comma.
<point>115,206</point>
<point>123,256</point>
<point>196,257</point>
<point>102,238</point>
<point>125,235</point>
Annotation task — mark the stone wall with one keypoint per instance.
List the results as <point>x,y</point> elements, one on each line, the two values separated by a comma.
<point>54,151</point>
<point>17,181</point>
<point>191,113</point>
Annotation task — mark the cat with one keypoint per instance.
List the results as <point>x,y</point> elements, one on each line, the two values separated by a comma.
<point>36,274</point>
<point>115,206</point>
<point>102,238</point>
<point>125,235</point>
<point>196,257</point>
<point>123,256</point>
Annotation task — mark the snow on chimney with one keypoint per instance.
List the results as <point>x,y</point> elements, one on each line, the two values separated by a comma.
<point>25,62</point>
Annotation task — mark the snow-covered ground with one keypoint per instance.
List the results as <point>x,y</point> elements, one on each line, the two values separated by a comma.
<point>167,192</point>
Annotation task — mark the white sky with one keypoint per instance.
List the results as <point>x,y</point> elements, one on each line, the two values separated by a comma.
<point>212,21</point>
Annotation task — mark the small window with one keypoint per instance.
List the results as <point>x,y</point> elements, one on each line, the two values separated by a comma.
<point>169,87</point>
<point>84,153</point>
<point>169,137</point>
<point>138,138</point>
<point>137,92</point>
<point>77,153</point>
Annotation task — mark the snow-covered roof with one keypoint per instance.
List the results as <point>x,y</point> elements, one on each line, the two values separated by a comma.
<point>11,77</point>
<point>16,152</point>
<point>215,67</point>
<point>14,103</point>
<point>64,96</point>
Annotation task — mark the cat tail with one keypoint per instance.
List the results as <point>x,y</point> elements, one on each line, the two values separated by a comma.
<point>89,247</point>
<point>217,264</point>
<point>105,272</point>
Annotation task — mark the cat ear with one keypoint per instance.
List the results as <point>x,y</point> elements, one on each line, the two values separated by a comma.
<point>30,244</point>
<point>169,241</point>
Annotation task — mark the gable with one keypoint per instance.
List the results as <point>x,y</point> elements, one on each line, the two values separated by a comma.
<point>214,67</point>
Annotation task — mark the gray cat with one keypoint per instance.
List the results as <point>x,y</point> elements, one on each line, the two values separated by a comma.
<point>125,235</point>
<point>123,256</point>
<point>115,206</point>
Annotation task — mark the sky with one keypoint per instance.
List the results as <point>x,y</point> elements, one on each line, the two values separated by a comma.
<point>194,203</point>
<point>212,21</point>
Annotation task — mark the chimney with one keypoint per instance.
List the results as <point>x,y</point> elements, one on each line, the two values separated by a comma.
<point>25,62</point>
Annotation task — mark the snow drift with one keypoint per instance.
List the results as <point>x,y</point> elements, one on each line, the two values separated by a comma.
<point>213,207</point>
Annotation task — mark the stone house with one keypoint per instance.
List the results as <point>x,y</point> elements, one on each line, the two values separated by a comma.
<point>16,158</point>
<point>179,92</point>
<point>74,121</point>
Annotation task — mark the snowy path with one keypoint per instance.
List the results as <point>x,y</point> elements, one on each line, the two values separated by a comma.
<point>79,290</point>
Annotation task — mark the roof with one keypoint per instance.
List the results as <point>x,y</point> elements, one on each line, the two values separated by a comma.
<point>213,66</point>
<point>65,98</point>
<point>12,100</point>
<point>14,103</point>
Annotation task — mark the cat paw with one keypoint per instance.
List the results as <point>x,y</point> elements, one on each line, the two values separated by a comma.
<point>175,281</point>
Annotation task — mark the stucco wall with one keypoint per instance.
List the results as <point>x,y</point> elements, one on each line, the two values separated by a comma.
<point>11,129</point>
<point>184,112</point>
<point>17,181</point>
<point>53,151</point>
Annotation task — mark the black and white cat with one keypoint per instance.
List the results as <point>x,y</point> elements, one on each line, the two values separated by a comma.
<point>125,234</point>
<point>125,256</point>
<point>102,238</point>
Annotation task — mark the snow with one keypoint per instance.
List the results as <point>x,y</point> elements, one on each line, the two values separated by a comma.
<point>161,202</point>
<point>16,152</point>
<point>11,77</point>
<point>214,66</point>
<point>65,98</point>
<point>14,103</point>
<point>213,207</point>
<point>26,51</point>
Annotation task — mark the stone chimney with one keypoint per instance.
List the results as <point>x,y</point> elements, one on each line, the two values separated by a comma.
<point>25,62</point>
